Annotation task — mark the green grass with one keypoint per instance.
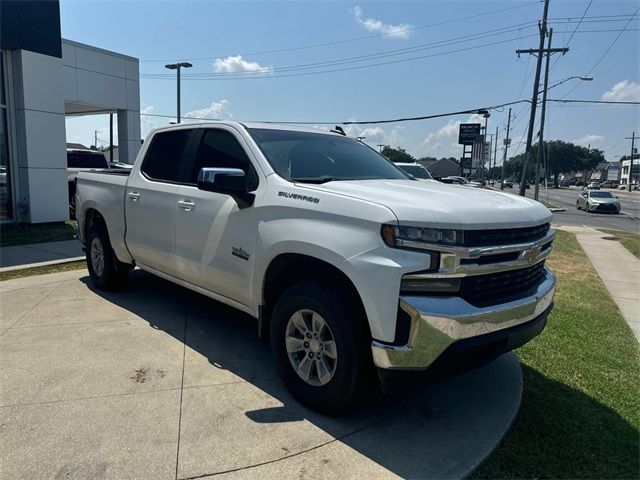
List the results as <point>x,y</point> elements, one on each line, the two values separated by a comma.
<point>580,411</point>
<point>23,234</point>
<point>630,241</point>
<point>29,272</point>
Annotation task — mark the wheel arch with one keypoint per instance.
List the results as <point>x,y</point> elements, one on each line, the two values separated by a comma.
<point>287,269</point>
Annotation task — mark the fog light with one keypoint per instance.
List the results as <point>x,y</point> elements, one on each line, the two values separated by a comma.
<point>419,283</point>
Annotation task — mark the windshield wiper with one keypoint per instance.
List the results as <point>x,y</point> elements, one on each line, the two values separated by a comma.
<point>324,179</point>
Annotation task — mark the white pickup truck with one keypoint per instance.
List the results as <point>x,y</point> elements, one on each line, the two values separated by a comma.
<point>347,263</point>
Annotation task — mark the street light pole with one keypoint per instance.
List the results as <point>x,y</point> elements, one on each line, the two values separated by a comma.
<point>177,67</point>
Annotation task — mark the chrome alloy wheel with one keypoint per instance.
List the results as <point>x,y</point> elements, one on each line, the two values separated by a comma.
<point>97,256</point>
<point>311,347</point>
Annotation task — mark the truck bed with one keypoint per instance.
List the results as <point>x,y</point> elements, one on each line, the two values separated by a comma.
<point>105,191</point>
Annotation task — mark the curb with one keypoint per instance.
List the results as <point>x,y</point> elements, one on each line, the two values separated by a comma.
<point>41,264</point>
<point>558,209</point>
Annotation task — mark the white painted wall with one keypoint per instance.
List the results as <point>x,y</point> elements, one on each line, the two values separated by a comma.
<point>101,81</point>
<point>41,192</point>
<point>86,79</point>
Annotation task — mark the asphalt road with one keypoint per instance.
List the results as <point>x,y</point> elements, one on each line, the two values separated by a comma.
<point>628,220</point>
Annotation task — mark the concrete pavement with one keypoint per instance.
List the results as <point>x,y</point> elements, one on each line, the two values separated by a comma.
<point>158,382</point>
<point>37,254</point>
<point>618,269</point>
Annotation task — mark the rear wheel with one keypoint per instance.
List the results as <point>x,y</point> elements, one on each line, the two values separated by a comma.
<point>106,272</point>
<point>321,347</point>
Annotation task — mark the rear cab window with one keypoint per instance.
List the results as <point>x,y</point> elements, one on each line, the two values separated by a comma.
<point>80,159</point>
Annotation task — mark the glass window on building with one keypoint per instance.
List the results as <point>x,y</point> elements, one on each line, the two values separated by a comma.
<point>5,178</point>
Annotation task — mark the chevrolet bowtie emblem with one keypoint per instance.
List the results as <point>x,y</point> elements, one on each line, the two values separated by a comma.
<point>531,255</point>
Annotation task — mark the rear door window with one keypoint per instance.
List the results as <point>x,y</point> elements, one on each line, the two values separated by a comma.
<point>166,155</point>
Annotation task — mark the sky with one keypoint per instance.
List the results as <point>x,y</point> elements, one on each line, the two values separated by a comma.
<point>326,62</point>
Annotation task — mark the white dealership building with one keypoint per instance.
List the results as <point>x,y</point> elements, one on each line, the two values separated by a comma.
<point>45,79</point>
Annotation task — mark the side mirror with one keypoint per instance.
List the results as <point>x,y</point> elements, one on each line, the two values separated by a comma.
<point>227,181</point>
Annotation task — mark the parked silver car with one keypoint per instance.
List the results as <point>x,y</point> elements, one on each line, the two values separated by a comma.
<point>598,201</point>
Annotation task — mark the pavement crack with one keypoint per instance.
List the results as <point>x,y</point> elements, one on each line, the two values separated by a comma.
<point>184,352</point>
<point>393,411</point>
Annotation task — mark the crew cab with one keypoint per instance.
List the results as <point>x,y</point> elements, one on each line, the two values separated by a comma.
<point>348,263</point>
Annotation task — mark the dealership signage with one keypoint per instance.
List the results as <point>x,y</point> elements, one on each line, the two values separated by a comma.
<point>469,133</point>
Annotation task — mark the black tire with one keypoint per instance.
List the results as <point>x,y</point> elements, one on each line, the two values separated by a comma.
<point>354,374</point>
<point>111,274</point>
<point>578,206</point>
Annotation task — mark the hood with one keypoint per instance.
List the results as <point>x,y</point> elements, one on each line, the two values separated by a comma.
<point>446,206</point>
<point>603,200</point>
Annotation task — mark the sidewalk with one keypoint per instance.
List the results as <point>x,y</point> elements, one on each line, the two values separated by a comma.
<point>618,269</point>
<point>38,254</point>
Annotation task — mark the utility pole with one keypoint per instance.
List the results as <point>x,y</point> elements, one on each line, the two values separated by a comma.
<point>495,154</point>
<point>507,141</point>
<point>542,114</point>
<point>633,141</point>
<point>95,139</point>
<point>540,51</point>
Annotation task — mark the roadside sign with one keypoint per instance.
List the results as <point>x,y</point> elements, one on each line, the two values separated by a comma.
<point>468,133</point>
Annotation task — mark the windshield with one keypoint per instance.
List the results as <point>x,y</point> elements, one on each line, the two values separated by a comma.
<point>417,171</point>
<point>318,158</point>
<point>86,160</point>
<point>601,195</point>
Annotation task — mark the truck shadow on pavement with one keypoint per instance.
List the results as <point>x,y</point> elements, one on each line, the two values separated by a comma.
<point>443,431</point>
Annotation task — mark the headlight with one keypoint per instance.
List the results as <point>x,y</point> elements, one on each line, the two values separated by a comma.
<point>414,237</point>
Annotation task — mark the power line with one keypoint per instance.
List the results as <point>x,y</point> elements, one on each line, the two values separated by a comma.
<point>353,122</point>
<point>573,34</point>
<point>604,54</point>
<point>360,58</point>
<point>355,67</point>
<point>601,102</point>
<point>350,40</point>
<point>267,74</point>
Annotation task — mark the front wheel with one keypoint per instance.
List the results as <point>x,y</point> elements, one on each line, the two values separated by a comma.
<point>321,346</point>
<point>106,272</point>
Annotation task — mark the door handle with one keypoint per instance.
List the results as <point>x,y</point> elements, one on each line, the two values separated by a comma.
<point>186,205</point>
<point>133,196</point>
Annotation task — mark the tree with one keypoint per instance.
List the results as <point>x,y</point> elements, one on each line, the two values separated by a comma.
<point>397,154</point>
<point>562,157</point>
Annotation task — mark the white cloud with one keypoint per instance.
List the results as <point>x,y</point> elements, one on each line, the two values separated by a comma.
<point>217,110</point>
<point>377,135</point>
<point>444,141</point>
<point>402,30</point>
<point>236,64</point>
<point>624,91</point>
<point>147,122</point>
<point>588,139</point>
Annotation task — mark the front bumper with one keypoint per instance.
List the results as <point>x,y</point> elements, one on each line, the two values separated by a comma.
<point>437,323</point>
<point>604,207</point>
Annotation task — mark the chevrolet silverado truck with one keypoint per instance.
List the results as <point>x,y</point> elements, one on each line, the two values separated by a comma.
<point>348,264</point>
